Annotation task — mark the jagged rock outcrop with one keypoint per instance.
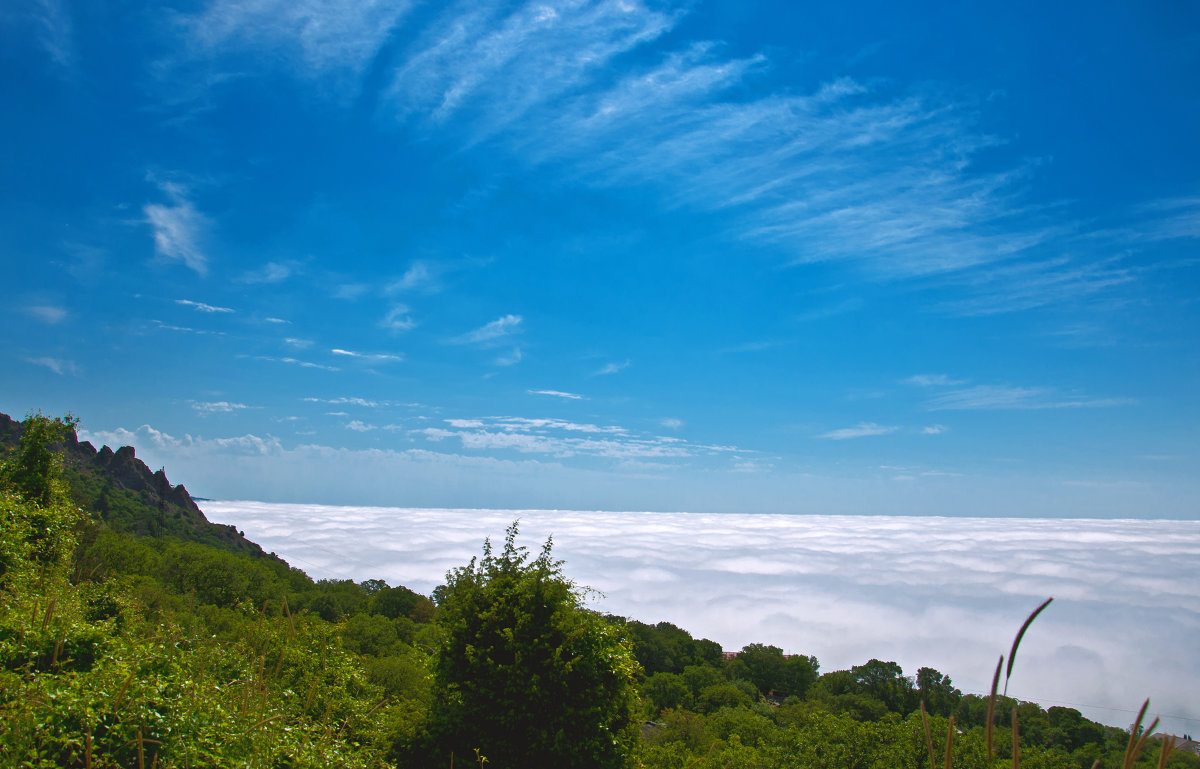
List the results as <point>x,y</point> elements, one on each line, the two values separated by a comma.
<point>120,489</point>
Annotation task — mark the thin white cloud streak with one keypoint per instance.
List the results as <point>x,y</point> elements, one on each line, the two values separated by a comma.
<point>55,31</point>
<point>47,313</point>
<point>373,357</point>
<point>556,394</point>
<point>59,366</point>
<point>503,66</point>
<point>612,368</point>
<point>316,38</point>
<point>398,319</point>
<point>218,407</point>
<point>932,380</point>
<point>998,397</point>
<point>947,593</point>
<point>861,430</point>
<point>149,438</point>
<point>501,327</point>
<point>202,307</point>
<point>560,439</point>
<point>354,401</point>
<point>297,362</point>
<point>179,229</point>
<point>511,359</point>
<point>419,276</point>
<point>269,273</point>
<point>185,329</point>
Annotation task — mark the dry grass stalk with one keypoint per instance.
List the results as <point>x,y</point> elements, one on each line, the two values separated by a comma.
<point>928,736</point>
<point>991,709</point>
<point>308,701</point>
<point>49,612</point>
<point>121,693</point>
<point>1138,737</point>
<point>1012,654</point>
<point>1168,744</point>
<point>950,744</point>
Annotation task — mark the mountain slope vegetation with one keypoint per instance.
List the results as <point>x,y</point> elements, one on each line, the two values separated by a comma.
<point>129,642</point>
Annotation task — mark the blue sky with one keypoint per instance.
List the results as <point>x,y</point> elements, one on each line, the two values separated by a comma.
<point>727,257</point>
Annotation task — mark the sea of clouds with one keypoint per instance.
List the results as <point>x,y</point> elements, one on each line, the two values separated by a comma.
<point>949,593</point>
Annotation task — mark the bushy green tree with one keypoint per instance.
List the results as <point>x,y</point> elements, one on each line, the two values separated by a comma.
<point>527,674</point>
<point>34,470</point>
<point>37,520</point>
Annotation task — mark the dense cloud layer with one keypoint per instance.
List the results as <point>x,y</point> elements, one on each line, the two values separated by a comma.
<point>944,592</point>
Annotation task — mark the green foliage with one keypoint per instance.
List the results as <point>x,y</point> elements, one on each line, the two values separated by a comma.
<point>666,691</point>
<point>527,674</point>
<point>37,520</point>
<point>665,648</point>
<point>87,680</point>
<point>773,673</point>
<point>119,650</point>
<point>34,471</point>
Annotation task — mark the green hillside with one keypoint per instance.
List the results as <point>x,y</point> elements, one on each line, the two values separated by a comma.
<point>134,634</point>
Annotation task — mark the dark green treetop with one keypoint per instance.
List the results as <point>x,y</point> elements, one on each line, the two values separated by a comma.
<point>527,674</point>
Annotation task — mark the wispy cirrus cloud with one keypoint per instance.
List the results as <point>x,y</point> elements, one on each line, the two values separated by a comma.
<point>420,276</point>
<point>348,401</point>
<point>185,329</point>
<point>218,407</point>
<point>54,31</point>
<point>59,366</point>
<point>297,362</point>
<point>312,38</point>
<point>491,333</point>
<point>47,313</point>
<point>556,394</point>
<point>953,396</point>
<point>932,380</point>
<point>271,272</point>
<point>999,397</point>
<point>202,307</point>
<point>612,368</point>
<point>847,171</point>
<point>511,359</point>
<point>179,228</point>
<point>854,171</point>
<point>501,64</point>
<point>563,438</point>
<point>861,430</point>
<point>379,357</point>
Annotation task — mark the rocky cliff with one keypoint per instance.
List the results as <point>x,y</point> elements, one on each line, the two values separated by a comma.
<point>123,492</point>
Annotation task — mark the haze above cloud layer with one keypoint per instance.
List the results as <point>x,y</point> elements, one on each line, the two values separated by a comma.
<point>948,593</point>
<point>851,257</point>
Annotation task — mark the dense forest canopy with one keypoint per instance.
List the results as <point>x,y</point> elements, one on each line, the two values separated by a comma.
<point>132,634</point>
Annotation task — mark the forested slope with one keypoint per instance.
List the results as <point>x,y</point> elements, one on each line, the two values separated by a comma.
<point>127,642</point>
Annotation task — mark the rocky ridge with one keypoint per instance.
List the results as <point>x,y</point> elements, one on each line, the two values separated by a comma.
<point>124,493</point>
